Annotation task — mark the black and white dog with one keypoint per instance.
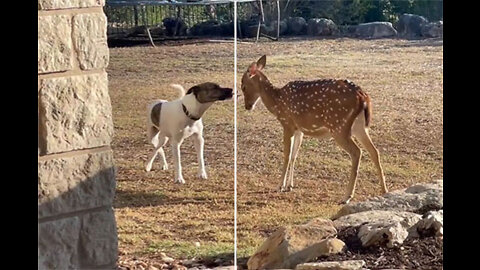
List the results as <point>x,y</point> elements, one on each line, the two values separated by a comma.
<point>179,119</point>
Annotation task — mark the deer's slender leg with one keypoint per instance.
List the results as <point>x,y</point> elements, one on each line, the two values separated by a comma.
<point>364,138</point>
<point>297,141</point>
<point>287,155</point>
<point>347,143</point>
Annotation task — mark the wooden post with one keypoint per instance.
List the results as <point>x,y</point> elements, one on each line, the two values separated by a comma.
<point>135,15</point>
<point>278,19</point>
<point>145,24</point>
<point>260,21</point>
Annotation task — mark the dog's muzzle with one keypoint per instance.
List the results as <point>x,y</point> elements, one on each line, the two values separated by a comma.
<point>227,95</point>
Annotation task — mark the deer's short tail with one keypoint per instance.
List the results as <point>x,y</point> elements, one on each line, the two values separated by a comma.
<point>367,110</point>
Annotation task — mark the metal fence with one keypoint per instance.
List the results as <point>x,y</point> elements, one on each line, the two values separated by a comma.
<point>129,18</point>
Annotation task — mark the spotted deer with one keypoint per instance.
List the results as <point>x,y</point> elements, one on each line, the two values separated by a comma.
<point>320,108</point>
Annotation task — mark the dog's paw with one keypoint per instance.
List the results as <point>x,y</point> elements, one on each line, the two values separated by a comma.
<point>148,168</point>
<point>202,175</point>
<point>179,181</point>
<point>165,167</point>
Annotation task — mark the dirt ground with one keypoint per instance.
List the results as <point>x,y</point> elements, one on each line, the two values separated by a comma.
<point>403,78</point>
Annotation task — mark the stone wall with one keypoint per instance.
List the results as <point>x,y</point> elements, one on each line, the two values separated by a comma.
<point>76,174</point>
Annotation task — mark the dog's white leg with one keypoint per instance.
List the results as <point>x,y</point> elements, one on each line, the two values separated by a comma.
<point>162,154</point>
<point>176,161</point>
<point>159,141</point>
<point>199,142</point>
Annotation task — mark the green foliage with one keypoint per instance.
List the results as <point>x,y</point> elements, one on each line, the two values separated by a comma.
<point>347,12</point>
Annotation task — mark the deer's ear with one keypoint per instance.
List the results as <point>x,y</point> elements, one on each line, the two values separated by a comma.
<point>252,70</point>
<point>262,62</point>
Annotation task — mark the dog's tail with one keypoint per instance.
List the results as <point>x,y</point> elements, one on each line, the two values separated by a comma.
<point>180,89</point>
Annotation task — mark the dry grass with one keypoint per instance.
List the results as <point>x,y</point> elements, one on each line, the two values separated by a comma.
<point>404,79</point>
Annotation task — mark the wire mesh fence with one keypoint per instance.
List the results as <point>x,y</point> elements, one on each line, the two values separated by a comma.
<point>268,18</point>
<point>170,18</point>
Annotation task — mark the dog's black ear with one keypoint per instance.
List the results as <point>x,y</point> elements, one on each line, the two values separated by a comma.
<point>193,90</point>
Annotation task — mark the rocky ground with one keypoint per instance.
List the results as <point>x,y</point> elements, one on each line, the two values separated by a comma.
<point>422,253</point>
<point>402,229</point>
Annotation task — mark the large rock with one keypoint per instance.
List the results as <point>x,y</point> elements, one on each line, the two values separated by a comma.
<point>340,265</point>
<point>272,28</point>
<point>208,28</point>
<point>321,27</point>
<point>390,234</point>
<point>296,25</point>
<point>431,224</point>
<point>419,198</point>
<point>74,113</point>
<point>410,25</point>
<point>433,29</point>
<point>376,217</point>
<point>248,27</point>
<point>379,227</point>
<point>375,30</point>
<point>55,48</point>
<point>289,246</point>
<point>175,26</point>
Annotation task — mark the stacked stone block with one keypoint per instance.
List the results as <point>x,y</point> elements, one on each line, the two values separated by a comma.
<point>76,174</point>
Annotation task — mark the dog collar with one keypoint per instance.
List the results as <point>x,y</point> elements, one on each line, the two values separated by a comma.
<point>188,114</point>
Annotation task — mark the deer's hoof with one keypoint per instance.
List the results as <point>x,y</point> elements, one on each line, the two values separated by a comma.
<point>286,189</point>
<point>347,200</point>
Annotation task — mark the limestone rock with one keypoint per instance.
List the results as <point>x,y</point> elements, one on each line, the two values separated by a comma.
<point>432,223</point>
<point>376,216</point>
<point>55,47</point>
<point>57,244</point>
<point>75,183</point>
<point>289,246</point>
<point>74,113</point>
<point>391,234</point>
<point>410,25</point>
<point>419,198</point>
<point>63,4</point>
<point>321,27</point>
<point>98,238</point>
<point>90,40</point>
<point>375,30</point>
<point>296,25</point>
<point>340,265</point>
<point>433,29</point>
<point>272,28</point>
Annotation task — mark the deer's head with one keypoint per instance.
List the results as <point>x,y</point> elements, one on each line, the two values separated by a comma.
<point>251,82</point>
